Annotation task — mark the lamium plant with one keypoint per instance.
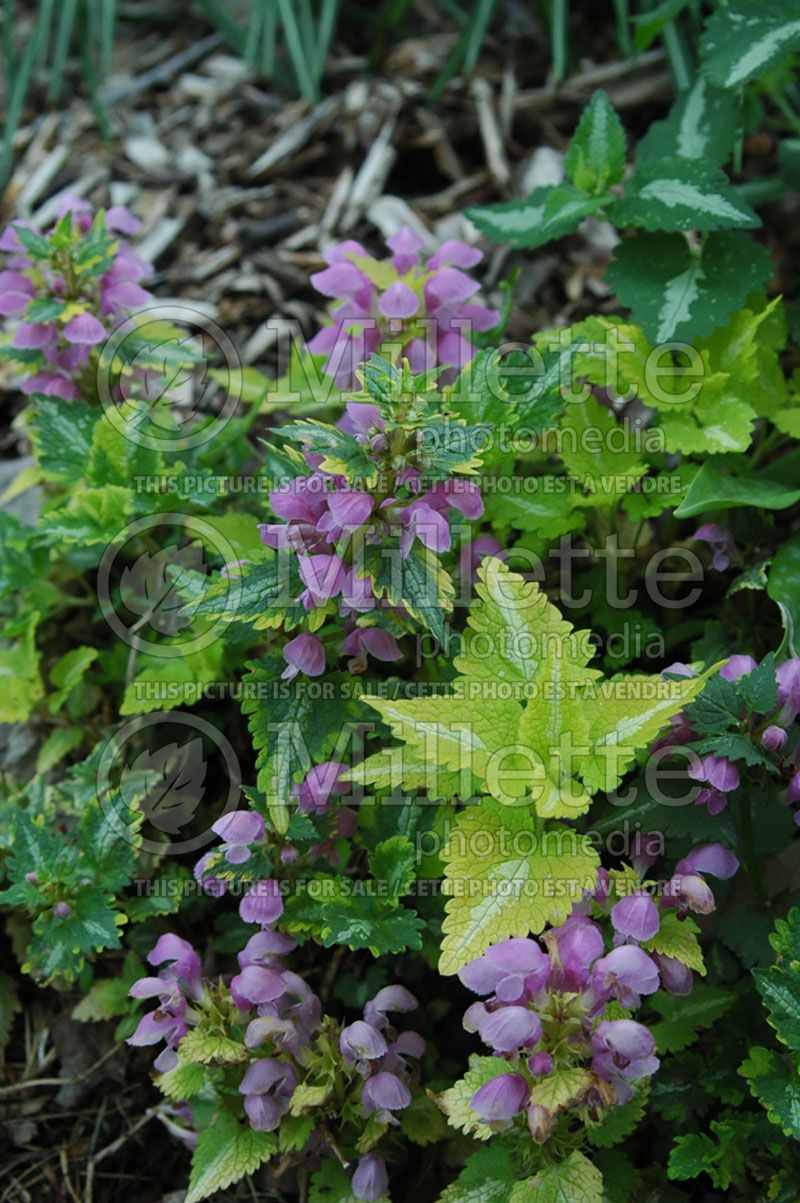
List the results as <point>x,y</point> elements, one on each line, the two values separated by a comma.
<point>473,879</point>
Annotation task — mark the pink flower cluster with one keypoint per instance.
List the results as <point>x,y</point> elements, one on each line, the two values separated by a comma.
<point>423,306</point>
<point>101,301</point>
<point>538,1004</point>
<point>320,509</point>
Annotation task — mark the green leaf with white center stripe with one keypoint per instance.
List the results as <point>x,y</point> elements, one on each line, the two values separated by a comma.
<point>747,37</point>
<point>547,214</point>
<point>679,194</point>
<point>675,292</point>
<point>596,154</point>
<point>702,124</point>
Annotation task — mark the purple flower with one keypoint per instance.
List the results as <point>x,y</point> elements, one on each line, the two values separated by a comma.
<point>721,541</point>
<point>709,858</point>
<point>636,917</point>
<point>510,970</point>
<point>399,301</point>
<point>263,1112</point>
<point>625,1049</point>
<point>384,1092</point>
<point>500,1098</point>
<point>85,329</point>
<point>624,973</point>
<point>718,771</point>
<point>389,999</point>
<point>736,667</point>
<point>181,961</point>
<point>215,886</point>
<point>455,253</point>
<point>303,654</point>
<point>540,1064</point>
<point>426,524</point>
<point>314,791</point>
<point>774,738</point>
<point>255,985</point>
<point>362,1042</point>
<point>239,830</point>
<point>579,942</point>
<point>511,1028</point>
<point>788,675</point>
<point>373,641</point>
<point>689,891</point>
<point>267,1074</point>
<point>370,1181</point>
<point>676,977</point>
<point>265,948</point>
<point>262,903</point>
<point>323,575</point>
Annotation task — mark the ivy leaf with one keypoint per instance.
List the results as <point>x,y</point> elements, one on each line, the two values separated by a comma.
<point>775,1086</point>
<point>575,1180</point>
<point>702,124</point>
<point>682,1019</point>
<point>62,436</point>
<point>743,40</point>
<point>682,194</point>
<point>418,582</point>
<point>392,862</point>
<point>596,154</point>
<point>547,214</point>
<point>780,990</point>
<point>226,1151</point>
<point>487,1177</point>
<point>676,292</point>
<point>515,884</point>
<point>343,454</point>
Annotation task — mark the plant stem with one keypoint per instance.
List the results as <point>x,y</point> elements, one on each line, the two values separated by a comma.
<point>747,848</point>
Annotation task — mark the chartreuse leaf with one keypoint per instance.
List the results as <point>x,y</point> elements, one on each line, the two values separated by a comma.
<point>625,715</point>
<point>575,1180</point>
<point>677,938</point>
<point>21,686</point>
<point>702,124</point>
<point>776,1085</point>
<point>181,1082</point>
<point>596,153</point>
<point>226,1151</point>
<point>547,214</point>
<point>677,291</point>
<point>456,732</point>
<point>261,594</point>
<point>606,466</point>
<point>743,40</point>
<point>503,878</point>
<point>682,194</point>
<point>564,1087</point>
<point>510,627</point>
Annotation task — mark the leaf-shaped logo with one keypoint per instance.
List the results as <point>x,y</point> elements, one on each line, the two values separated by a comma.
<point>167,370</point>
<point>150,587</point>
<point>170,782</point>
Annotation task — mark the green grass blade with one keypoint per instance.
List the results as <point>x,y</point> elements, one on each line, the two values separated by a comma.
<point>622,16</point>
<point>301,56</point>
<point>66,26</point>
<point>465,52</point>
<point>327,24</point>
<point>254,30</point>
<point>33,50</point>
<point>559,38</point>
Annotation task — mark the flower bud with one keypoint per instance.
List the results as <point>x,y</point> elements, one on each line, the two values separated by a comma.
<point>540,1122</point>
<point>774,738</point>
